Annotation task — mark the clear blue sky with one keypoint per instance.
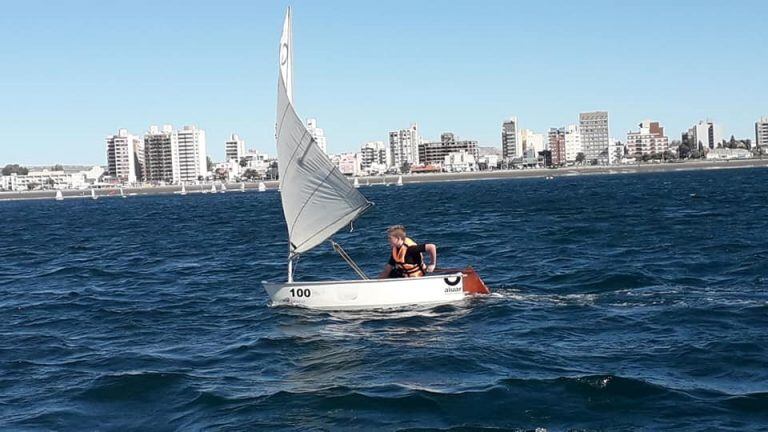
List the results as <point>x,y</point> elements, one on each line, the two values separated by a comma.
<point>73,72</point>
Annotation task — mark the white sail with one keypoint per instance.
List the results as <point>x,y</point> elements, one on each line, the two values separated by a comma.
<point>242,187</point>
<point>262,187</point>
<point>183,189</point>
<point>318,200</point>
<point>59,195</point>
<point>400,180</point>
<point>356,184</point>
<point>93,194</point>
<point>213,188</point>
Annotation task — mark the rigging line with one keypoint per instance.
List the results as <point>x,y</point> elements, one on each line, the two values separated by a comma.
<point>345,256</point>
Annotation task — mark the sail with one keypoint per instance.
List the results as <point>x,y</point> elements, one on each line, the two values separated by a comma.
<point>317,199</point>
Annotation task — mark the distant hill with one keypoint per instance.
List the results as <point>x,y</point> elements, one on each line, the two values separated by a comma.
<point>486,151</point>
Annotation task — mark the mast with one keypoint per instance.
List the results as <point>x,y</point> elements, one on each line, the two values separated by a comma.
<point>317,199</point>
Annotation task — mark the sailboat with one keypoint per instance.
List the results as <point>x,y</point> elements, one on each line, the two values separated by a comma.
<point>213,188</point>
<point>356,183</point>
<point>262,187</point>
<point>223,188</point>
<point>122,193</point>
<point>400,180</point>
<point>59,195</point>
<point>93,194</point>
<point>318,201</point>
<point>242,187</point>
<point>183,190</point>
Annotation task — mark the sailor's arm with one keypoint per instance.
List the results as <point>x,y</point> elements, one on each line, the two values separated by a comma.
<point>431,249</point>
<point>385,273</point>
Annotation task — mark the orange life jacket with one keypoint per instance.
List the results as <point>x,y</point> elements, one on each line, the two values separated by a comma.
<point>407,269</point>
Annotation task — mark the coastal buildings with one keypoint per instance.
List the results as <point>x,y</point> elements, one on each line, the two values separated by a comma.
<point>431,153</point>
<point>595,134</point>
<point>532,142</point>
<point>615,152</point>
<point>234,148</point>
<point>125,157</point>
<point>52,179</point>
<point>761,133</point>
<point>192,153</point>
<point>728,153</point>
<point>557,146</point>
<point>404,146</point>
<point>161,150</point>
<point>572,143</point>
<point>374,157</point>
<point>459,161</point>
<point>649,140</point>
<point>510,140</point>
<point>318,134</point>
<point>703,136</point>
<point>348,163</point>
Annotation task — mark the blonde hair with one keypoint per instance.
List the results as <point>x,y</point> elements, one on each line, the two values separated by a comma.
<point>396,231</point>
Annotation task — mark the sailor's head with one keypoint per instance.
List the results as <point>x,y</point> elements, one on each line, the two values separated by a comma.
<point>396,235</point>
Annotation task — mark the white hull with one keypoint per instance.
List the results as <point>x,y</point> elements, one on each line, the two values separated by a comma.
<point>368,294</point>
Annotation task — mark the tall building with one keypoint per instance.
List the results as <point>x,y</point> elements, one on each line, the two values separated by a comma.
<point>161,154</point>
<point>193,162</point>
<point>531,141</point>
<point>705,136</point>
<point>557,145</point>
<point>374,153</point>
<point>434,153</point>
<point>511,147</point>
<point>650,139</point>
<point>125,157</point>
<point>404,146</point>
<point>761,132</point>
<point>234,148</point>
<point>572,143</point>
<point>318,134</point>
<point>594,134</point>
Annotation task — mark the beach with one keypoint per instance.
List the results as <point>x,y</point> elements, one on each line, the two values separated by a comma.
<point>412,178</point>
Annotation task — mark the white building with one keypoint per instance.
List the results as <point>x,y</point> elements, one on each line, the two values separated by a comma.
<point>533,141</point>
<point>461,161</point>
<point>491,161</point>
<point>234,148</point>
<point>404,146</point>
<point>615,152</point>
<point>193,161</point>
<point>650,139</point>
<point>125,157</point>
<point>511,147</point>
<point>46,179</point>
<point>572,143</point>
<point>728,153</point>
<point>318,134</point>
<point>705,136</point>
<point>348,163</point>
<point>761,132</point>
<point>595,134</point>
<point>374,157</point>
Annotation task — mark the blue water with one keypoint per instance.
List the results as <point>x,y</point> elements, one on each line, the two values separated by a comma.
<point>621,303</point>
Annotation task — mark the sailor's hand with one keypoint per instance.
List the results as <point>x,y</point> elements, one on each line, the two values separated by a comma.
<point>430,268</point>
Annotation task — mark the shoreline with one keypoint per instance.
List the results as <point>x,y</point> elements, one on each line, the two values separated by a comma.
<point>113,192</point>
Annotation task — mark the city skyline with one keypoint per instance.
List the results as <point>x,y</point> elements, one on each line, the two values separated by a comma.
<point>74,80</point>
